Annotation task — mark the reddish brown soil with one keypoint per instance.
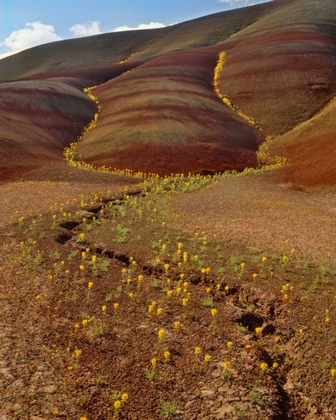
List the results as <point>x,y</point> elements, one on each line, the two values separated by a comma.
<point>280,70</point>
<point>42,377</point>
<point>164,117</point>
<point>204,158</point>
<point>159,109</point>
<point>38,119</point>
<point>310,149</point>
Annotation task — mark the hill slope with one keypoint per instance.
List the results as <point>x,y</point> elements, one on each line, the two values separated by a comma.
<point>160,110</point>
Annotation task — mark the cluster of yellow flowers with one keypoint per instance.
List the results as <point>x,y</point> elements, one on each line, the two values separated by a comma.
<point>265,158</point>
<point>218,70</point>
<point>263,155</point>
<point>118,403</point>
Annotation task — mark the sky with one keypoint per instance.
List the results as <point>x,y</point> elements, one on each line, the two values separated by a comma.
<point>27,23</point>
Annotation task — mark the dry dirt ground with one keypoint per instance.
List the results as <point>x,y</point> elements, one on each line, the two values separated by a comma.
<point>47,188</point>
<point>51,368</point>
<point>265,211</point>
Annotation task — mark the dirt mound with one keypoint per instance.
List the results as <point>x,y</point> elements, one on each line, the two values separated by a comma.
<point>165,117</point>
<point>111,48</point>
<point>38,119</point>
<point>310,149</point>
<point>280,70</point>
<point>166,105</point>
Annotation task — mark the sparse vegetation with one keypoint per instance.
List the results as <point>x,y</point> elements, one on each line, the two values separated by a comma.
<point>103,286</point>
<point>167,296</point>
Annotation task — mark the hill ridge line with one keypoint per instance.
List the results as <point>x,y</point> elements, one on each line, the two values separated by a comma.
<point>270,12</point>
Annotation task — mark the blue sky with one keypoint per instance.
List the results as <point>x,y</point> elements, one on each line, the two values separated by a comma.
<point>26,23</point>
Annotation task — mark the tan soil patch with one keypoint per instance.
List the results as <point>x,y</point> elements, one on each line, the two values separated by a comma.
<point>255,211</point>
<point>48,188</point>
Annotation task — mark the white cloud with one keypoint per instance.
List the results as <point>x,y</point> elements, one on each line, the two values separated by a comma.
<point>151,25</point>
<point>34,33</point>
<point>86,29</point>
<point>37,33</point>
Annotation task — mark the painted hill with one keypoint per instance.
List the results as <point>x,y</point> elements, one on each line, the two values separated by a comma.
<point>169,104</point>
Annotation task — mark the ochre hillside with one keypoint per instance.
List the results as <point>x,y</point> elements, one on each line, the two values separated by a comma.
<point>199,96</point>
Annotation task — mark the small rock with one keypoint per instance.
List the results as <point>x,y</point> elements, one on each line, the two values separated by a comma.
<point>207,393</point>
<point>225,409</point>
<point>217,373</point>
<point>189,403</point>
<point>288,385</point>
<point>51,389</point>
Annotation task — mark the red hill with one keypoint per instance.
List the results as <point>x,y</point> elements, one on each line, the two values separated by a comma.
<point>160,111</point>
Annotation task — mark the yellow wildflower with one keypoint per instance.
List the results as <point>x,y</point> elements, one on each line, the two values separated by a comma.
<point>161,334</point>
<point>213,312</point>
<point>227,365</point>
<point>207,358</point>
<point>263,366</point>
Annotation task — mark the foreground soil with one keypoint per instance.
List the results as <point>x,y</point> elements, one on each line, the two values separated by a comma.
<point>117,306</point>
<point>264,212</point>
